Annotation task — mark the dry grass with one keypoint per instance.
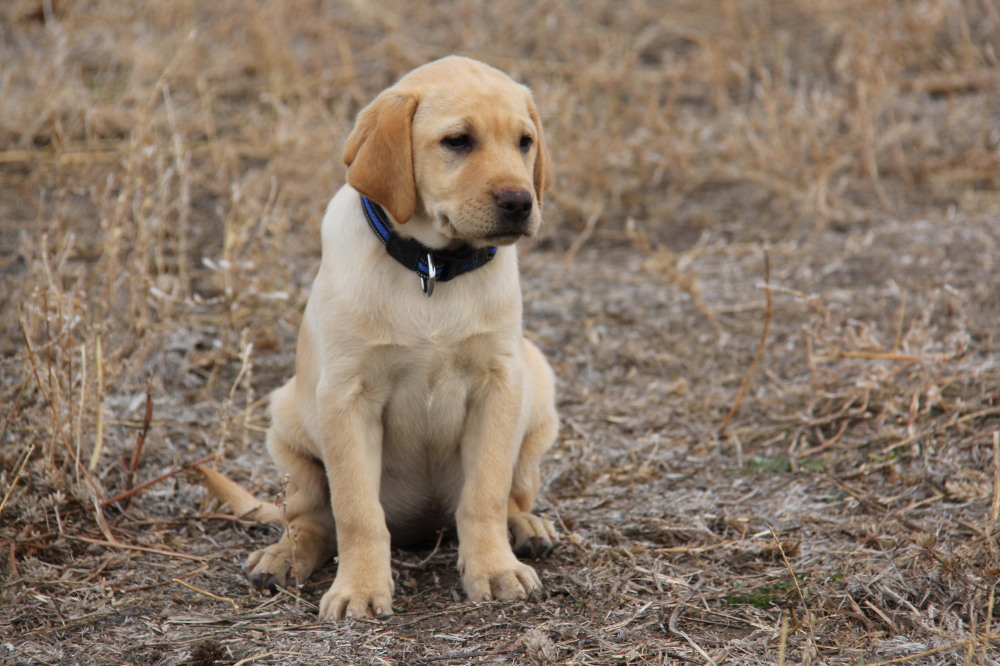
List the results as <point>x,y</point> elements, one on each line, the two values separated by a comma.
<point>163,167</point>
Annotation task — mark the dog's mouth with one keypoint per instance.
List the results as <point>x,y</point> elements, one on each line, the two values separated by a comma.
<point>500,233</point>
<point>507,237</point>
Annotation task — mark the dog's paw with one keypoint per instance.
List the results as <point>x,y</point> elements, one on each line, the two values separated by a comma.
<point>531,535</point>
<point>270,568</point>
<point>507,582</point>
<point>347,598</point>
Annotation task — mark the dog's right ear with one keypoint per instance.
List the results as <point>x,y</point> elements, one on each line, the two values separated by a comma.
<point>379,154</point>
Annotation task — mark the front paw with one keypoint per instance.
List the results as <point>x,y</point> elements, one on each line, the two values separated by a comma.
<point>505,580</point>
<point>356,596</point>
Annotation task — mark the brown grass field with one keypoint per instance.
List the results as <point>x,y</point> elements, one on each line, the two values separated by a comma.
<point>769,283</point>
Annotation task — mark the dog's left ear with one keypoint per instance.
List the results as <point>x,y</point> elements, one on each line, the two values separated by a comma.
<point>379,154</point>
<point>543,162</point>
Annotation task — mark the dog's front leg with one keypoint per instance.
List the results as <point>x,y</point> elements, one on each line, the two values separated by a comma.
<point>490,446</point>
<point>352,444</point>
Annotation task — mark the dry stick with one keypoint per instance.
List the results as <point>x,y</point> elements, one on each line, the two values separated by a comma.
<point>191,587</point>
<point>78,431</point>
<point>166,475</point>
<point>420,565</point>
<point>17,475</point>
<point>129,546</point>
<point>675,616</point>
<point>140,441</point>
<point>989,623</point>
<point>760,348</point>
<point>258,657</point>
<point>578,244</point>
<point>972,629</point>
<point>99,437</point>
<point>995,512</point>
<point>897,356</point>
<point>795,582</point>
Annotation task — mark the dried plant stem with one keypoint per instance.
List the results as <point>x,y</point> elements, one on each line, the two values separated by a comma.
<point>140,441</point>
<point>166,475</point>
<point>206,593</point>
<point>995,507</point>
<point>760,349</point>
<point>893,356</point>
<point>78,431</point>
<point>257,658</point>
<point>673,628</point>
<point>99,436</point>
<point>989,623</point>
<point>25,456</point>
<point>584,236</point>
<point>783,639</point>
<point>129,546</point>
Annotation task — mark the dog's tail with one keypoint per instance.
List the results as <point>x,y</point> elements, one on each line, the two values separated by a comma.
<point>239,500</point>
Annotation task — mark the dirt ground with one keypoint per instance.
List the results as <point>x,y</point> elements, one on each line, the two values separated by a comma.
<point>768,284</point>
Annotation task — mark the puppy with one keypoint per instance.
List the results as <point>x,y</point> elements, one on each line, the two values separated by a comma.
<point>417,403</point>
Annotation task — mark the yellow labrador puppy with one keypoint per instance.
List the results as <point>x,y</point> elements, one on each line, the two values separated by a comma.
<point>416,401</point>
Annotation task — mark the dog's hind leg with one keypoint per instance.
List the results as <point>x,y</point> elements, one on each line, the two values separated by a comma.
<point>532,535</point>
<point>310,537</point>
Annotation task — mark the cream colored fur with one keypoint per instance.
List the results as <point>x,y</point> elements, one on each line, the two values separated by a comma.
<point>408,413</point>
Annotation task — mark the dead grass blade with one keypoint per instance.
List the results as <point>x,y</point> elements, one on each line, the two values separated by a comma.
<point>206,593</point>
<point>162,477</point>
<point>721,431</point>
<point>129,546</point>
<point>140,441</point>
<point>25,456</point>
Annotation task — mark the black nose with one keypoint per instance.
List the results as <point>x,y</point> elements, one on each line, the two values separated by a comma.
<point>513,205</point>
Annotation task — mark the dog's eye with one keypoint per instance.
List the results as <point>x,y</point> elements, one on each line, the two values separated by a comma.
<point>459,142</point>
<point>526,142</point>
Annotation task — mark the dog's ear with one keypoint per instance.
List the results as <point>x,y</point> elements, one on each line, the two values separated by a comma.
<point>543,162</point>
<point>379,154</point>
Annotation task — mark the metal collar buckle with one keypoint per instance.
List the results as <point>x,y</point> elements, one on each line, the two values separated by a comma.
<point>427,283</point>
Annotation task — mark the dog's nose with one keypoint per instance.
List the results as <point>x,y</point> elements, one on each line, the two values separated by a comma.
<point>514,205</point>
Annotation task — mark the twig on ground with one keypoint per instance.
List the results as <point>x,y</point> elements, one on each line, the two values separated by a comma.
<point>676,615</point>
<point>206,593</point>
<point>995,507</point>
<point>25,456</point>
<point>584,236</point>
<point>140,441</point>
<point>128,546</point>
<point>422,563</point>
<point>760,349</point>
<point>166,475</point>
<point>99,429</point>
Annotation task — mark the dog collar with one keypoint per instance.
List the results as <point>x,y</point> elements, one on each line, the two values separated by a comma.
<point>431,265</point>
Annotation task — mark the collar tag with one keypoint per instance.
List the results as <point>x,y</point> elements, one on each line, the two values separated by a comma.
<point>427,283</point>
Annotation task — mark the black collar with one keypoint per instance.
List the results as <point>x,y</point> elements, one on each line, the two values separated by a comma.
<point>431,265</point>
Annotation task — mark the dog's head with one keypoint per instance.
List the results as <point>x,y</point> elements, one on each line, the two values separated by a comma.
<point>456,145</point>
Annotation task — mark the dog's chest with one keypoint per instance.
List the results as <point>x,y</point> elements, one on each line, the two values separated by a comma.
<point>432,391</point>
